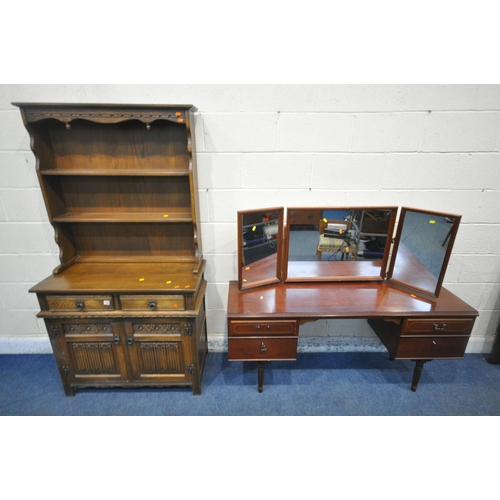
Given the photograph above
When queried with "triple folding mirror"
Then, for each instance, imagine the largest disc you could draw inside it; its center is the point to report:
(346, 244)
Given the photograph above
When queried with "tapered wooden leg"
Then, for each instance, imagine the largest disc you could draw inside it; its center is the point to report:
(417, 372)
(260, 372)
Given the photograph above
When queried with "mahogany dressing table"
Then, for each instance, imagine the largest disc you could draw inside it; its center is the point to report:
(421, 322)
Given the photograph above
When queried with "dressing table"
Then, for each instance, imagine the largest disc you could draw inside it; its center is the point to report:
(400, 294)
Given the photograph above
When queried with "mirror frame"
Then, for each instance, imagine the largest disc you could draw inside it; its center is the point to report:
(451, 240)
(277, 276)
(347, 277)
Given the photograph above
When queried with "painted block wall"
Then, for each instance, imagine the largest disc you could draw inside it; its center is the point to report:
(425, 146)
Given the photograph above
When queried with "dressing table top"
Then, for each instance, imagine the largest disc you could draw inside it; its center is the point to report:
(340, 300)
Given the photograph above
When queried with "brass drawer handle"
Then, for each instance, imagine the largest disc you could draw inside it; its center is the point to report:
(439, 328)
(263, 347)
(80, 304)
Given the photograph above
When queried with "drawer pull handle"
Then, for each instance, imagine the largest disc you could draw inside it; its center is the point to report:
(80, 304)
(439, 328)
(434, 342)
(152, 304)
(263, 347)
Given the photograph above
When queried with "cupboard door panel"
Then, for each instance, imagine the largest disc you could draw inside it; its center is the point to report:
(90, 352)
(93, 358)
(160, 358)
(158, 351)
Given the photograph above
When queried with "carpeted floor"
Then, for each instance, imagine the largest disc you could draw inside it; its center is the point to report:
(351, 384)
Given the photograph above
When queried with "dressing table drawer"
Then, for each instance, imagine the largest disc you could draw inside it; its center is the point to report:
(437, 326)
(262, 349)
(80, 303)
(436, 347)
(246, 328)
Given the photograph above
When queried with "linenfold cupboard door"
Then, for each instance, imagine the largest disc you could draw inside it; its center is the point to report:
(88, 352)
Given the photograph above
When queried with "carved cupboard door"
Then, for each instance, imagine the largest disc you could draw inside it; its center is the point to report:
(160, 350)
(88, 351)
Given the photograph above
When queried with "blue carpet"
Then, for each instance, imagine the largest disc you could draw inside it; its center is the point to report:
(350, 384)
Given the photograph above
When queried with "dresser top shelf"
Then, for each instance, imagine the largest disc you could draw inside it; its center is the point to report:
(114, 172)
(87, 110)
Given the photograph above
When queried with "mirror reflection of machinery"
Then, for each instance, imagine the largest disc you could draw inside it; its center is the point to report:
(364, 232)
(373, 229)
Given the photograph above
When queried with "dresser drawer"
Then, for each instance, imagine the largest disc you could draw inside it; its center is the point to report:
(152, 302)
(247, 328)
(444, 347)
(263, 348)
(80, 303)
(439, 326)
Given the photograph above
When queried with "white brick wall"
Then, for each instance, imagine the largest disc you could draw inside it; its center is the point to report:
(428, 146)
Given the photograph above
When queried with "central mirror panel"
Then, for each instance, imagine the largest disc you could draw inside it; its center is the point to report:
(338, 243)
(260, 242)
